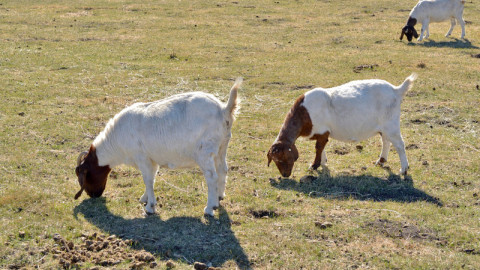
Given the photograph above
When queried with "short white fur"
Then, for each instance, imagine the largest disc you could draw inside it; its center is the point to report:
(359, 110)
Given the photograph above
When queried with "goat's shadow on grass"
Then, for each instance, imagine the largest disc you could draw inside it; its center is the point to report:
(359, 187)
(186, 239)
(453, 43)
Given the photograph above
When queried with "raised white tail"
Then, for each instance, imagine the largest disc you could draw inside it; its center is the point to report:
(232, 104)
(406, 85)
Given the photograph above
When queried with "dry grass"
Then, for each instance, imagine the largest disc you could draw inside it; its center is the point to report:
(67, 67)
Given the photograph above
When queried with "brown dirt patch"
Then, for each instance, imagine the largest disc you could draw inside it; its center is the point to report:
(411, 146)
(395, 229)
(263, 213)
(300, 87)
(418, 121)
(341, 151)
(360, 68)
(101, 250)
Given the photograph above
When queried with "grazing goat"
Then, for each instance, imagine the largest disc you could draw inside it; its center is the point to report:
(181, 131)
(427, 11)
(351, 112)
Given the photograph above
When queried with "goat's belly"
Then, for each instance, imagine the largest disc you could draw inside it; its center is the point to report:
(352, 135)
(177, 164)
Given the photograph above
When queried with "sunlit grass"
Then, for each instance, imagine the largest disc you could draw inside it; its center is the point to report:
(67, 67)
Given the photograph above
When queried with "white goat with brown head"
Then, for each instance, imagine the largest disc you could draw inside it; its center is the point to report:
(351, 112)
(428, 11)
(184, 130)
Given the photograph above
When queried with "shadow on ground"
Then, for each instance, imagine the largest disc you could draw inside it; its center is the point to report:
(186, 239)
(453, 43)
(359, 187)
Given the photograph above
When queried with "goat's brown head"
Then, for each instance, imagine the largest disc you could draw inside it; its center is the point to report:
(409, 29)
(91, 177)
(284, 157)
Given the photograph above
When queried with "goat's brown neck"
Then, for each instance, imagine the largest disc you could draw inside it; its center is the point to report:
(411, 21)
(297, 123)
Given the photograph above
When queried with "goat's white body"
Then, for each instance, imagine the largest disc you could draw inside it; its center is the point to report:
(427, 11)
(359, 110)
(170, 132)
(181, 131)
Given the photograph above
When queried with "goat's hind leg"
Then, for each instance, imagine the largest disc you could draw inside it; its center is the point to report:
(385, 150)
(397, 141)
(462, 25)
(207, 164)
(222, 170)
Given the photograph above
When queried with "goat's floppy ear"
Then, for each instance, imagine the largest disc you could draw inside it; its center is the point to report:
(269, 156)
(295, 152)
(79, 193)
(415, 34)
(404, 30)
(82, 178)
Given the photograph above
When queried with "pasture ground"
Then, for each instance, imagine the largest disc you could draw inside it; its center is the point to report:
(68, 66)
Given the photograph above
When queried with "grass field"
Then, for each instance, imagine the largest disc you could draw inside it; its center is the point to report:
(68, 66)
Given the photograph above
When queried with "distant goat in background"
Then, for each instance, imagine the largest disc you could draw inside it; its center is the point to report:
(428, 11)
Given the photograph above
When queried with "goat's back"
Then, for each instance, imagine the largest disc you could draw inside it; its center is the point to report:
(353, 111)
(437, 10)
(169, 131)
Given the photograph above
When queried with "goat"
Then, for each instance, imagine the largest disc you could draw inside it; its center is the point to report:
(427, 11)
(351, 112)
(181, 131)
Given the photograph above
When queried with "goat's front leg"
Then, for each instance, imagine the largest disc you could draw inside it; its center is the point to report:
(424, 27)
(148, 169)
(452, 24)
(207, 164)
(320, 156)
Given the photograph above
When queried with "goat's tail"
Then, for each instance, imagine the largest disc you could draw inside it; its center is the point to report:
(406, 85)
(232, 104)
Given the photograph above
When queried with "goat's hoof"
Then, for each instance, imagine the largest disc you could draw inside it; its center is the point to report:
(208, 215)
(314, 167)
(149, 212)
(208, 212)
(380, 162)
